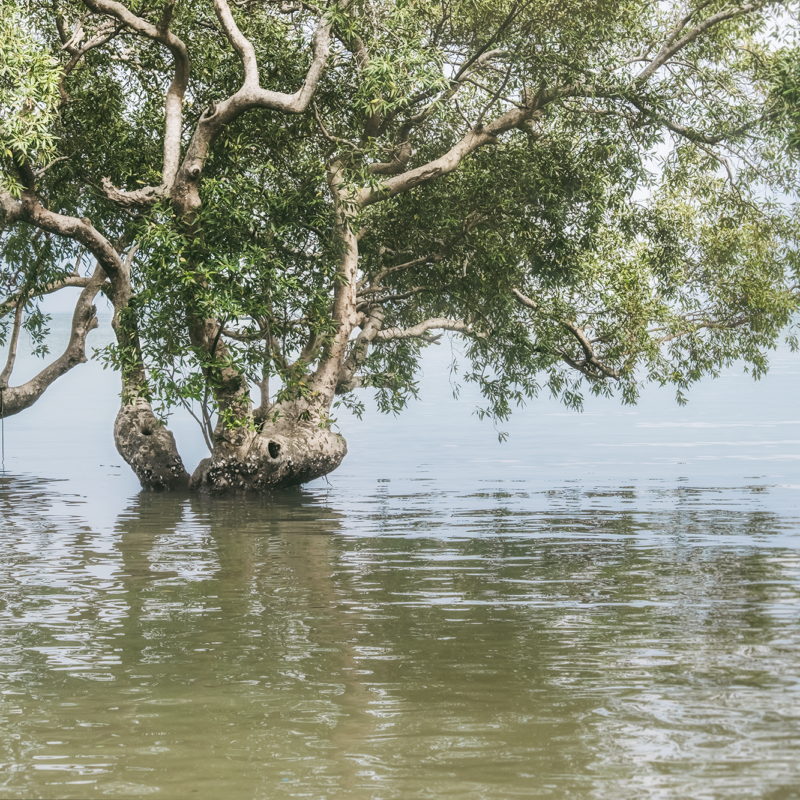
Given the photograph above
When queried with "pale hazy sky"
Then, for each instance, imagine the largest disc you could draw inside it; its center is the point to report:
(64, 301)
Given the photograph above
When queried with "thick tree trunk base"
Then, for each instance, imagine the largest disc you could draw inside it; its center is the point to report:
(149, 448)
(275, 458)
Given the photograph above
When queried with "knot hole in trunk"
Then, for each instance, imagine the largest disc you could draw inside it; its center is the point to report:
(147, 430)
(274, 448)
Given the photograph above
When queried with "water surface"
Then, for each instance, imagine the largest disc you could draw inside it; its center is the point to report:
(605, 607)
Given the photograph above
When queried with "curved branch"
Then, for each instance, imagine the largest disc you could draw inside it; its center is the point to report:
(359, 351)
(17, 398)
(146, 196)
(177, 88)
(12, 345)
(474, 139)
(590, 366)
(80, 230)
(251, 94)
(70, 44)
(674, 45)
(327, 134)
(363, 303)
(76, 281)
(374, 284)
(696, 136)
(421, 330)
(400, 158)
(522, 117)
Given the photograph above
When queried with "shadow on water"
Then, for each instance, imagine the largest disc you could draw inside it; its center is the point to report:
(510, 644)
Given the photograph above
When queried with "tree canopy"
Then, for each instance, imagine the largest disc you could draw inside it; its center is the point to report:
(300, 197)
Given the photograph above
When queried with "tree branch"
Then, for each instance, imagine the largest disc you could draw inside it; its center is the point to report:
(673, 44)
(80, 230)
(102, 36)
(696, 136)
(12, 345)
(71, 280)
(18, 398)
(474, 139)
(251, 94)
(177, 88)
(374, 284)
(360, 304)
(329, 136)
(402, 152)
(420, 331)
(359, 350)
(590, 366)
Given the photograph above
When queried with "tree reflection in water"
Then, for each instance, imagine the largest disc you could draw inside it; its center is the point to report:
(284, 648)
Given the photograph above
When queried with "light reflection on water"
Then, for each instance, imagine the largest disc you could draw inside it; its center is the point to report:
(390, 644)
(606, 607)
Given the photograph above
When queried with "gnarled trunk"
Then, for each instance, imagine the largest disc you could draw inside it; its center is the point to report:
(277, 446)
(148, 447)
(289, 443)
(280, 455)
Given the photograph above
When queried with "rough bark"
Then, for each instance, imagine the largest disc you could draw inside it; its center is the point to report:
(291, 443)
(326, 378)
(148, 447)
(285, 453)
(145, 444)
(359, 350)
(240, 455)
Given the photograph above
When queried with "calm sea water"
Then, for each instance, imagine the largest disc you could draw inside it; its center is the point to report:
(606, 606)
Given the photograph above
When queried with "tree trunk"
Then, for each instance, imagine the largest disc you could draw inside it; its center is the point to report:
(289, 443)
(149, 448)
(141, 438)
(284, 453)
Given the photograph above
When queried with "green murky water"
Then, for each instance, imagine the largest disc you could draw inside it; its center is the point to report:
(490, 645)
(607, 607)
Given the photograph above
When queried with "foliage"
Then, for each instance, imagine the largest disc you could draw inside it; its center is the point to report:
(645, 216)
(29, 77)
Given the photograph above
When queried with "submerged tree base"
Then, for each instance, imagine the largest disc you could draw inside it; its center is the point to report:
(274, 458)
(149, 448)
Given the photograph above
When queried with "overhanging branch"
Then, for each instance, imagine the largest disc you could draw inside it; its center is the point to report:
(590, 365)
(422, 329)
(674, 42)
(18, 398)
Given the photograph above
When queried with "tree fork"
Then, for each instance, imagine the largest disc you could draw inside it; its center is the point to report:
(293, 443)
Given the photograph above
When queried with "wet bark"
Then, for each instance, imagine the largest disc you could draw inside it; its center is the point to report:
(149, 448)
(282, 454)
